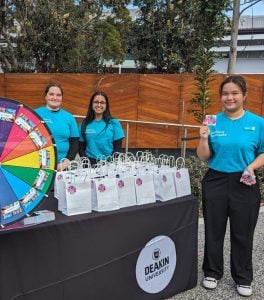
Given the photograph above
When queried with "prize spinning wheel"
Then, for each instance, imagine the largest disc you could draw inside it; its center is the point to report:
(27, 161)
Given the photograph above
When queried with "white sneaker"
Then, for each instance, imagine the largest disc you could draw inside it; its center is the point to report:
(244, 290)
(210, 283)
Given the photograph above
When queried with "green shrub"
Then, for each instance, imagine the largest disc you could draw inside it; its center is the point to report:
(261, 182)
(197, 169)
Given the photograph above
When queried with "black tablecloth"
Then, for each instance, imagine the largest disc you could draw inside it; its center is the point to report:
(93, 256)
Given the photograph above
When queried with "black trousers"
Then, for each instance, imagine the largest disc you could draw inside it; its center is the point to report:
(225, 197)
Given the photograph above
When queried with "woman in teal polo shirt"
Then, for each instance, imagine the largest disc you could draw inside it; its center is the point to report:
(234, 149)
(62, 125)
(100, 133)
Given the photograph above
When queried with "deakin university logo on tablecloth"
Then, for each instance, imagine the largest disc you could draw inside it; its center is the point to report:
(156, 264)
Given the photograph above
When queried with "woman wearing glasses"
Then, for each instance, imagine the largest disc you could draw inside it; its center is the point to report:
(62, 125)
(100, 134)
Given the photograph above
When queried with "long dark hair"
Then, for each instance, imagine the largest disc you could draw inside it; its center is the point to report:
(91, 115)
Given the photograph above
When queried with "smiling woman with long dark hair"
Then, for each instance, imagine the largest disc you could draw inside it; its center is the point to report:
(100, 133)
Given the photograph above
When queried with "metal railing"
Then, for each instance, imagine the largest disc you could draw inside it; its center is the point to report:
(184, 138)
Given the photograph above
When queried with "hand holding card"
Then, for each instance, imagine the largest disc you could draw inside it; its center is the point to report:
(248, 179)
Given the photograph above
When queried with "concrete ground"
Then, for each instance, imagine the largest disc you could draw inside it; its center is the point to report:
(226, 287)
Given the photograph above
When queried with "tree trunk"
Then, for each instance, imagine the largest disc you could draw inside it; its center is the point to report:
(233, 43)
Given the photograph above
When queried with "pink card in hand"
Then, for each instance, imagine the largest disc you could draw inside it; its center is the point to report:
(210, 120)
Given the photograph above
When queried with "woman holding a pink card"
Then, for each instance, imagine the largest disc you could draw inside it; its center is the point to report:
(233, 144)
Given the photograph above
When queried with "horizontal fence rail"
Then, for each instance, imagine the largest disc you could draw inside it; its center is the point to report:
(184, 138)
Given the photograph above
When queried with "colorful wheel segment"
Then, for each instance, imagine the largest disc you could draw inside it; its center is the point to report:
(27, 161)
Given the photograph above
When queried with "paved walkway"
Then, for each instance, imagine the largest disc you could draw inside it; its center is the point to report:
(226, 288)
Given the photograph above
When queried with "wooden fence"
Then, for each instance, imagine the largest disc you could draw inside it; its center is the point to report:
(153, 98)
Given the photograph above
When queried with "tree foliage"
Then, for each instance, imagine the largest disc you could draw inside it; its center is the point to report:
(62, 35)
(202, 99)
(79, 36)
(170, 33)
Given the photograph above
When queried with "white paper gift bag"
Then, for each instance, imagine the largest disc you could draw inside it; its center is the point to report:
(182, 178)
(74, 175)
(59, 187)
(105, 194)
(61, 179)
(164, 185)
(59, 182)
(144, 185)
(78, 198)
(126, 191)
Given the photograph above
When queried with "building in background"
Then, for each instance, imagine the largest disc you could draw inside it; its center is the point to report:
(250, 47)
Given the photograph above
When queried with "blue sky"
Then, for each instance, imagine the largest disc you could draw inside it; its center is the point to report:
(256, 10)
